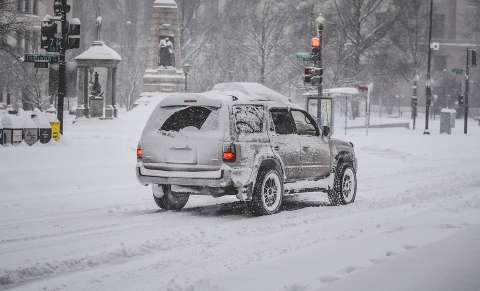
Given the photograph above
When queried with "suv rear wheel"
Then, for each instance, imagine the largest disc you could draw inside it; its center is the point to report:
(268, 192)
(171, 200)
(345, 185)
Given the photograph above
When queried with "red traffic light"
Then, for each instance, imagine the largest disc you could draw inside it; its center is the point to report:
(363, 89)
(315, 42)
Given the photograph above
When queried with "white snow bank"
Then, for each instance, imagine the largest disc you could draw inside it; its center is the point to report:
(12, 121)
(450, 264)
(40, 119)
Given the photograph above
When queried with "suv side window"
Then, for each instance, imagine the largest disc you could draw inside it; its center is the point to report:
(248, 118)
(283, 121)
(304, 123)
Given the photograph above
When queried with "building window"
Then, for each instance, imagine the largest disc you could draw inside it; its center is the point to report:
(439, 63)
(20, 5)
(35, 7)
(20, 43)
(28, 6)
(438, 26)
(35, 41)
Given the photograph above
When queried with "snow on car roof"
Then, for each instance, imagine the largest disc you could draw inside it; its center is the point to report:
(229, 93)
(252, 91)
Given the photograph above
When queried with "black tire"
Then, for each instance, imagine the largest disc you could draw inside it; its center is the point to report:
(171, 200)
(267, 203)
(345, 185)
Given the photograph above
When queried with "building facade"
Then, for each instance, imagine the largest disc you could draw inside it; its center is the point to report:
(456, 28)
(24, 86)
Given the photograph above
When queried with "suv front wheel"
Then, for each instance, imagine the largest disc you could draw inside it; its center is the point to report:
(268, 192)
(345, 185)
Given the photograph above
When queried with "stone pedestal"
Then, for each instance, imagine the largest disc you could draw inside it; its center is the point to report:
(161, 80)
(96, 107)
(164, 25)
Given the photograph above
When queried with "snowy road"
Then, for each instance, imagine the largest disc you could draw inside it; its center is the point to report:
(73, 217)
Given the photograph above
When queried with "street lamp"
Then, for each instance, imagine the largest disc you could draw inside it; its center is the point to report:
(429, 65)
(186, 70)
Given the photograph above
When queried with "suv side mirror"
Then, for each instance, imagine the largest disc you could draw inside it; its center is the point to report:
(326, 131)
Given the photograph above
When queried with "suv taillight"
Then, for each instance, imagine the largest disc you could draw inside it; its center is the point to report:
(139, 153)
(229, 153)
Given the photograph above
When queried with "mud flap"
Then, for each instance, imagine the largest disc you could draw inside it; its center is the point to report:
(245, 193)
(157, 191)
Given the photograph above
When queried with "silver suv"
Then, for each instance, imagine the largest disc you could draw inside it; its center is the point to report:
(241, 139)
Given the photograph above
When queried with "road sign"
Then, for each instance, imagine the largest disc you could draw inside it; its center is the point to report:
(41, 58)
(304, 56)
(458, 71)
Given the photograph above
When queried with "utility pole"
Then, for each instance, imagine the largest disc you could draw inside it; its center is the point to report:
(467, 89)
(61, 65)
(428, 100)
(415, 101)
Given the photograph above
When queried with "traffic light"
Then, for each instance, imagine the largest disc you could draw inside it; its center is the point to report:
(460, 100)
(317, 76)
(73, 39)
(363, 89)
(316, 44)
(49, 38)
(308, 74)
(414, 103)
(58, 7)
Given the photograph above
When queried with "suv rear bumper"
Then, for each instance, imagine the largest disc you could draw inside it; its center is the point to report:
(217, 179)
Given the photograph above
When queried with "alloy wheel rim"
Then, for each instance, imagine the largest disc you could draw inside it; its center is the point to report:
(348, 185)
(271, 192)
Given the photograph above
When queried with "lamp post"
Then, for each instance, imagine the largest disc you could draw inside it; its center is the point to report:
(186, 70)
(429, 65)
(320, 23)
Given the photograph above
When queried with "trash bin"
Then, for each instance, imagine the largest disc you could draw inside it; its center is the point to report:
(453, 117)
(1, 125)
(30, 129)
(1, 132)
(12, 130)
(55, 126)
(44, 128)
(446, 123)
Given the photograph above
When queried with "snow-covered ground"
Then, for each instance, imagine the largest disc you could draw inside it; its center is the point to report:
(73, 217)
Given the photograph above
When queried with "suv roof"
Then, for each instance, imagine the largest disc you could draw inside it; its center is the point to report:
(230, 94)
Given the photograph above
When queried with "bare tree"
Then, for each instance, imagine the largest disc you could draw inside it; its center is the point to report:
(363, 23)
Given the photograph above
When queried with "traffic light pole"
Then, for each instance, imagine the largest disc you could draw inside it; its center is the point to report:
(318, 64)
(467, 89)
(414, 103)
(61, 66)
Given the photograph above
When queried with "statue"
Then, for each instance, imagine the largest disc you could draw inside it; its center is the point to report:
(96, 88)
(167, 53)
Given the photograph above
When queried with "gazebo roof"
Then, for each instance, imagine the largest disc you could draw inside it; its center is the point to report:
(99, 51)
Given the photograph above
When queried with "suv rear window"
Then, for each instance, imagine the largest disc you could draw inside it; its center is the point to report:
(248, 118)
(194, 116)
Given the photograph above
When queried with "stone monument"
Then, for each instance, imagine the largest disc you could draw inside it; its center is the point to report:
(163, 61)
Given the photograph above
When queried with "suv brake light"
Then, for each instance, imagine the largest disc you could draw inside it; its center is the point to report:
(229, 153)
(139, 153)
